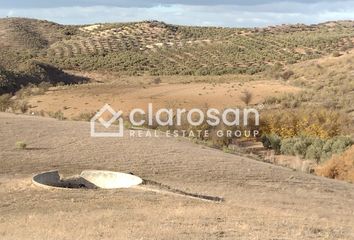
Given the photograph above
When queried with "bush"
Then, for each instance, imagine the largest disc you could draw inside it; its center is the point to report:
(315, 123)
(339, 167)
(336, 146)
(157, 80)
(315, 148)
(22, 106)
(314, 151)
(58, 115)
(287, 74)
(301, 146)
(272, 100)
(246, 97)
(85, 116)
(21, 145)
(337, 54)
(5, 102)
(287, 146)
(271, 141)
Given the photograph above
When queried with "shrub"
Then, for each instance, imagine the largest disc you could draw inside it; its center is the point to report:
(287, 146)
(301, 146)
(341, 143)
(314, 151)
(5, 102)
(44, 86)
(287, 74)
(272, 100)
(58, 115)
(157, 80)
(246, 97)
(336, 146)
(316, 123)
(339, 167)
(21, 145)
(271, 141)
(337, 54)
(315, 148)
(22, 106)
(85, 116)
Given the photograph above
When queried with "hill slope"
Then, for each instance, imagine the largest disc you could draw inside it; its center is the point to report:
(158, 48)
(262, 201)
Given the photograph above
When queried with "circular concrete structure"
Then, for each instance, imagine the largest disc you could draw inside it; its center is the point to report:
(89, 179)
(110, 180)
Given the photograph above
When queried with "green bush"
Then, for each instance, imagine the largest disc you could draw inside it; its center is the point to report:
(21, 145)
(336, 146)
(271, 141)
(314, 151)
(315, 148)
(287, 146)
(301, 146)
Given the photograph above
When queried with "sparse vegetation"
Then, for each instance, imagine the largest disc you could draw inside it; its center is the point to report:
(287, 74)
(246, 97)
(21, 105)
(157, 80)
(57, 115)
(84, 116)
(5, 102)
(337, 54)
(21, 145)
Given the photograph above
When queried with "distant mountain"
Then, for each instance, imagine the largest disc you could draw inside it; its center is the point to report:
(157, 48)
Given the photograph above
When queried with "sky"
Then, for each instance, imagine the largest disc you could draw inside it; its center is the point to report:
(224, 13)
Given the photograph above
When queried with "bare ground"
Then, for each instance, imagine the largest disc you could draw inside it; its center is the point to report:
(262, 201)
(88, 98)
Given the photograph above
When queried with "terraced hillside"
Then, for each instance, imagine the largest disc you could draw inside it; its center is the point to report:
(157, 48)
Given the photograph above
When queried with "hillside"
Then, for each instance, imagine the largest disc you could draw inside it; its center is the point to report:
(34, 72)
(157, 48)
(262, 201)
(30, 34)
(162, 49)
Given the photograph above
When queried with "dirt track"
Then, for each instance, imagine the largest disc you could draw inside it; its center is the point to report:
(261, 201)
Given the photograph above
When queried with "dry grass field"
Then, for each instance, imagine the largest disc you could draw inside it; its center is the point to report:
(262, 201)
(88, 98)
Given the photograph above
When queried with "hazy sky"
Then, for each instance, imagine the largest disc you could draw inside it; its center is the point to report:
(236, 13)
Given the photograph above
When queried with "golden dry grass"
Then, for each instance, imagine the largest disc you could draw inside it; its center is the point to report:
(339, 167)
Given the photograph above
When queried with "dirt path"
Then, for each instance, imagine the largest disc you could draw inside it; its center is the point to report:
(262, 201)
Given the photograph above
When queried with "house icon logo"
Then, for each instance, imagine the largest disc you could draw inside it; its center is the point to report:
(107, 128)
